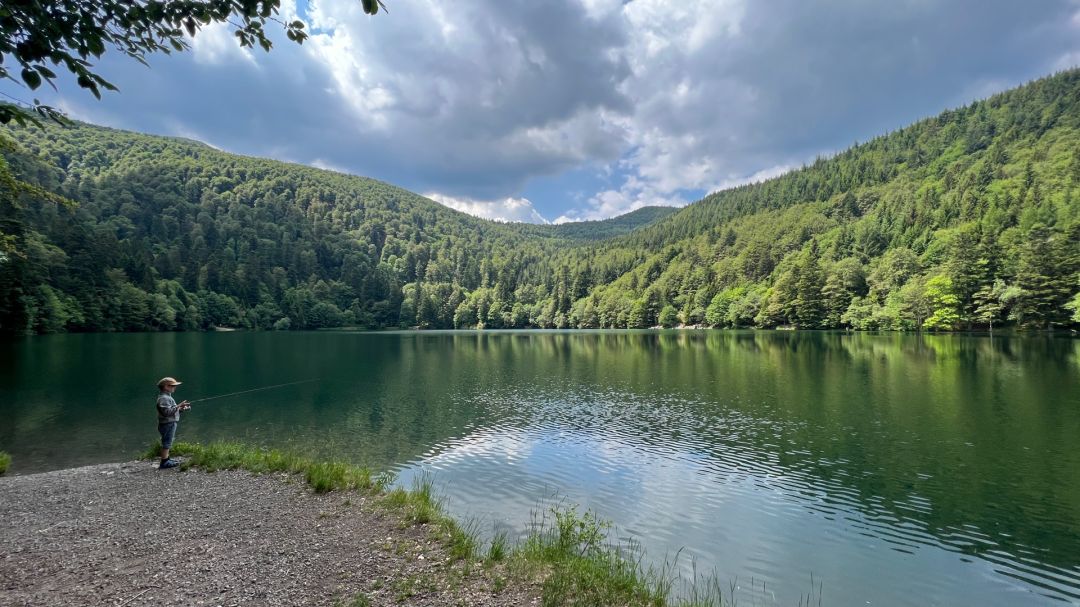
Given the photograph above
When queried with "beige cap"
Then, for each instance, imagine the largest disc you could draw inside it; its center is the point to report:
(167, 381)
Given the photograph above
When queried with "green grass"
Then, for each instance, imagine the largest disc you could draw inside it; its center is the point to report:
(567, 553)
(582, 567)
(5, 461)
(323, 476)
(464, 538)
(419, 506)
(360, 600)
(498, 548)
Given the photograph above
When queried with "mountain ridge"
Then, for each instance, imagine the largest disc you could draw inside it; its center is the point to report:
(967, 219)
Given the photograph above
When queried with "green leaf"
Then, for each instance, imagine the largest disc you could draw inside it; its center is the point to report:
(31, 78)
(96, 46)
(105, 83)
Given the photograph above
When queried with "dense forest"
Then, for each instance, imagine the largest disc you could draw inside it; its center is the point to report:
(967, 220)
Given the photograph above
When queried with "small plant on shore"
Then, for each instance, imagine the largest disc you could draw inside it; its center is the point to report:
(426, 507)
(498, 548)
(707, 591)
(420, 505)
(584, 569)
(5, 461)
(464, 538)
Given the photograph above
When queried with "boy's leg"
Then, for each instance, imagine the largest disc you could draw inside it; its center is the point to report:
(167, 431)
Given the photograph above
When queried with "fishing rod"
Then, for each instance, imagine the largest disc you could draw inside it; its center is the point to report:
(293, 383)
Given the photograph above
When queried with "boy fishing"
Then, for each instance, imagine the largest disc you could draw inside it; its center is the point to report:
(168, 418)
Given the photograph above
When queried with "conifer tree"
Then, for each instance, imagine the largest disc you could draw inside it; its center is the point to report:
(810, 302)
(1042, 278)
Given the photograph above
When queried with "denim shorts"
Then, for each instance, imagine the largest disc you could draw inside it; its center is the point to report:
(168, 432)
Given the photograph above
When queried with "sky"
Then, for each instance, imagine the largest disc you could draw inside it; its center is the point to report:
(570, 110)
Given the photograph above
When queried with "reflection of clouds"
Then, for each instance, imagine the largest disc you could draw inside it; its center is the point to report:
(671, 497)
(506, 444)
(726, 491)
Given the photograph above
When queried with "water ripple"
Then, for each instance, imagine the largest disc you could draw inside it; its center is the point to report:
(724, 487)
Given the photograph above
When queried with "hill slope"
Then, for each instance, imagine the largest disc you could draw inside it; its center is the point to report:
(609, 228)
(172, 234)
(966, 219)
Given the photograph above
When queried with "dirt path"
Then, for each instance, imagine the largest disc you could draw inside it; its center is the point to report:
(128, 534)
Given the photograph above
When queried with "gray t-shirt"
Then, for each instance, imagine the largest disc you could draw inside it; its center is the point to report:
(167, 409)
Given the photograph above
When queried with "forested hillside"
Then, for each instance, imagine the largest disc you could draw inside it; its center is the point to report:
(608, 228)
(966, 220)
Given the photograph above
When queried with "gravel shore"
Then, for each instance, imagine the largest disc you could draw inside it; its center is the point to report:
(129, 534)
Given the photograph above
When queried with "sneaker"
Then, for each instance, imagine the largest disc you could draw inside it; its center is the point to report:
(169, 463)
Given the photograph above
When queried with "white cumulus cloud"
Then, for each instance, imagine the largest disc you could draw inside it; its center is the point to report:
(507, 209)
(215, 44)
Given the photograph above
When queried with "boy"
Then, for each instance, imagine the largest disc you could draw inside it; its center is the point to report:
(168, 417)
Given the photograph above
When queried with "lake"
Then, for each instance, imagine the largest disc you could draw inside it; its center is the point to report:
(894, 469)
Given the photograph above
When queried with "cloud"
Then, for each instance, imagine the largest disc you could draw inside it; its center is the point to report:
(215, 44)
(632, 195)
(507, 209)
(1067, 61)
(479, 101)
(735, 181)
(727, 92)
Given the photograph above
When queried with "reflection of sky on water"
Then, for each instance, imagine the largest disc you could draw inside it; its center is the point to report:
(735, 513)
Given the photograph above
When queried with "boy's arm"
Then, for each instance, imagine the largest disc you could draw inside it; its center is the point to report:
(166, 406)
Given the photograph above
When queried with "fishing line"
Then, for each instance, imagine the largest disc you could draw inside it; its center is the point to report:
(293, 383)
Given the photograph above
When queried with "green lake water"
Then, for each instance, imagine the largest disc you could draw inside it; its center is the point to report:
(894, 469)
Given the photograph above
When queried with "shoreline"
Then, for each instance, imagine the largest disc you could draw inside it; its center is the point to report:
(240, 525)
(130, 534)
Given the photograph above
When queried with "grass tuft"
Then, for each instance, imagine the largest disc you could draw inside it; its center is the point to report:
(425, 507)
(5, 462)
(464, 538)
(420, 506)
(498, 548)
(584, 568)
